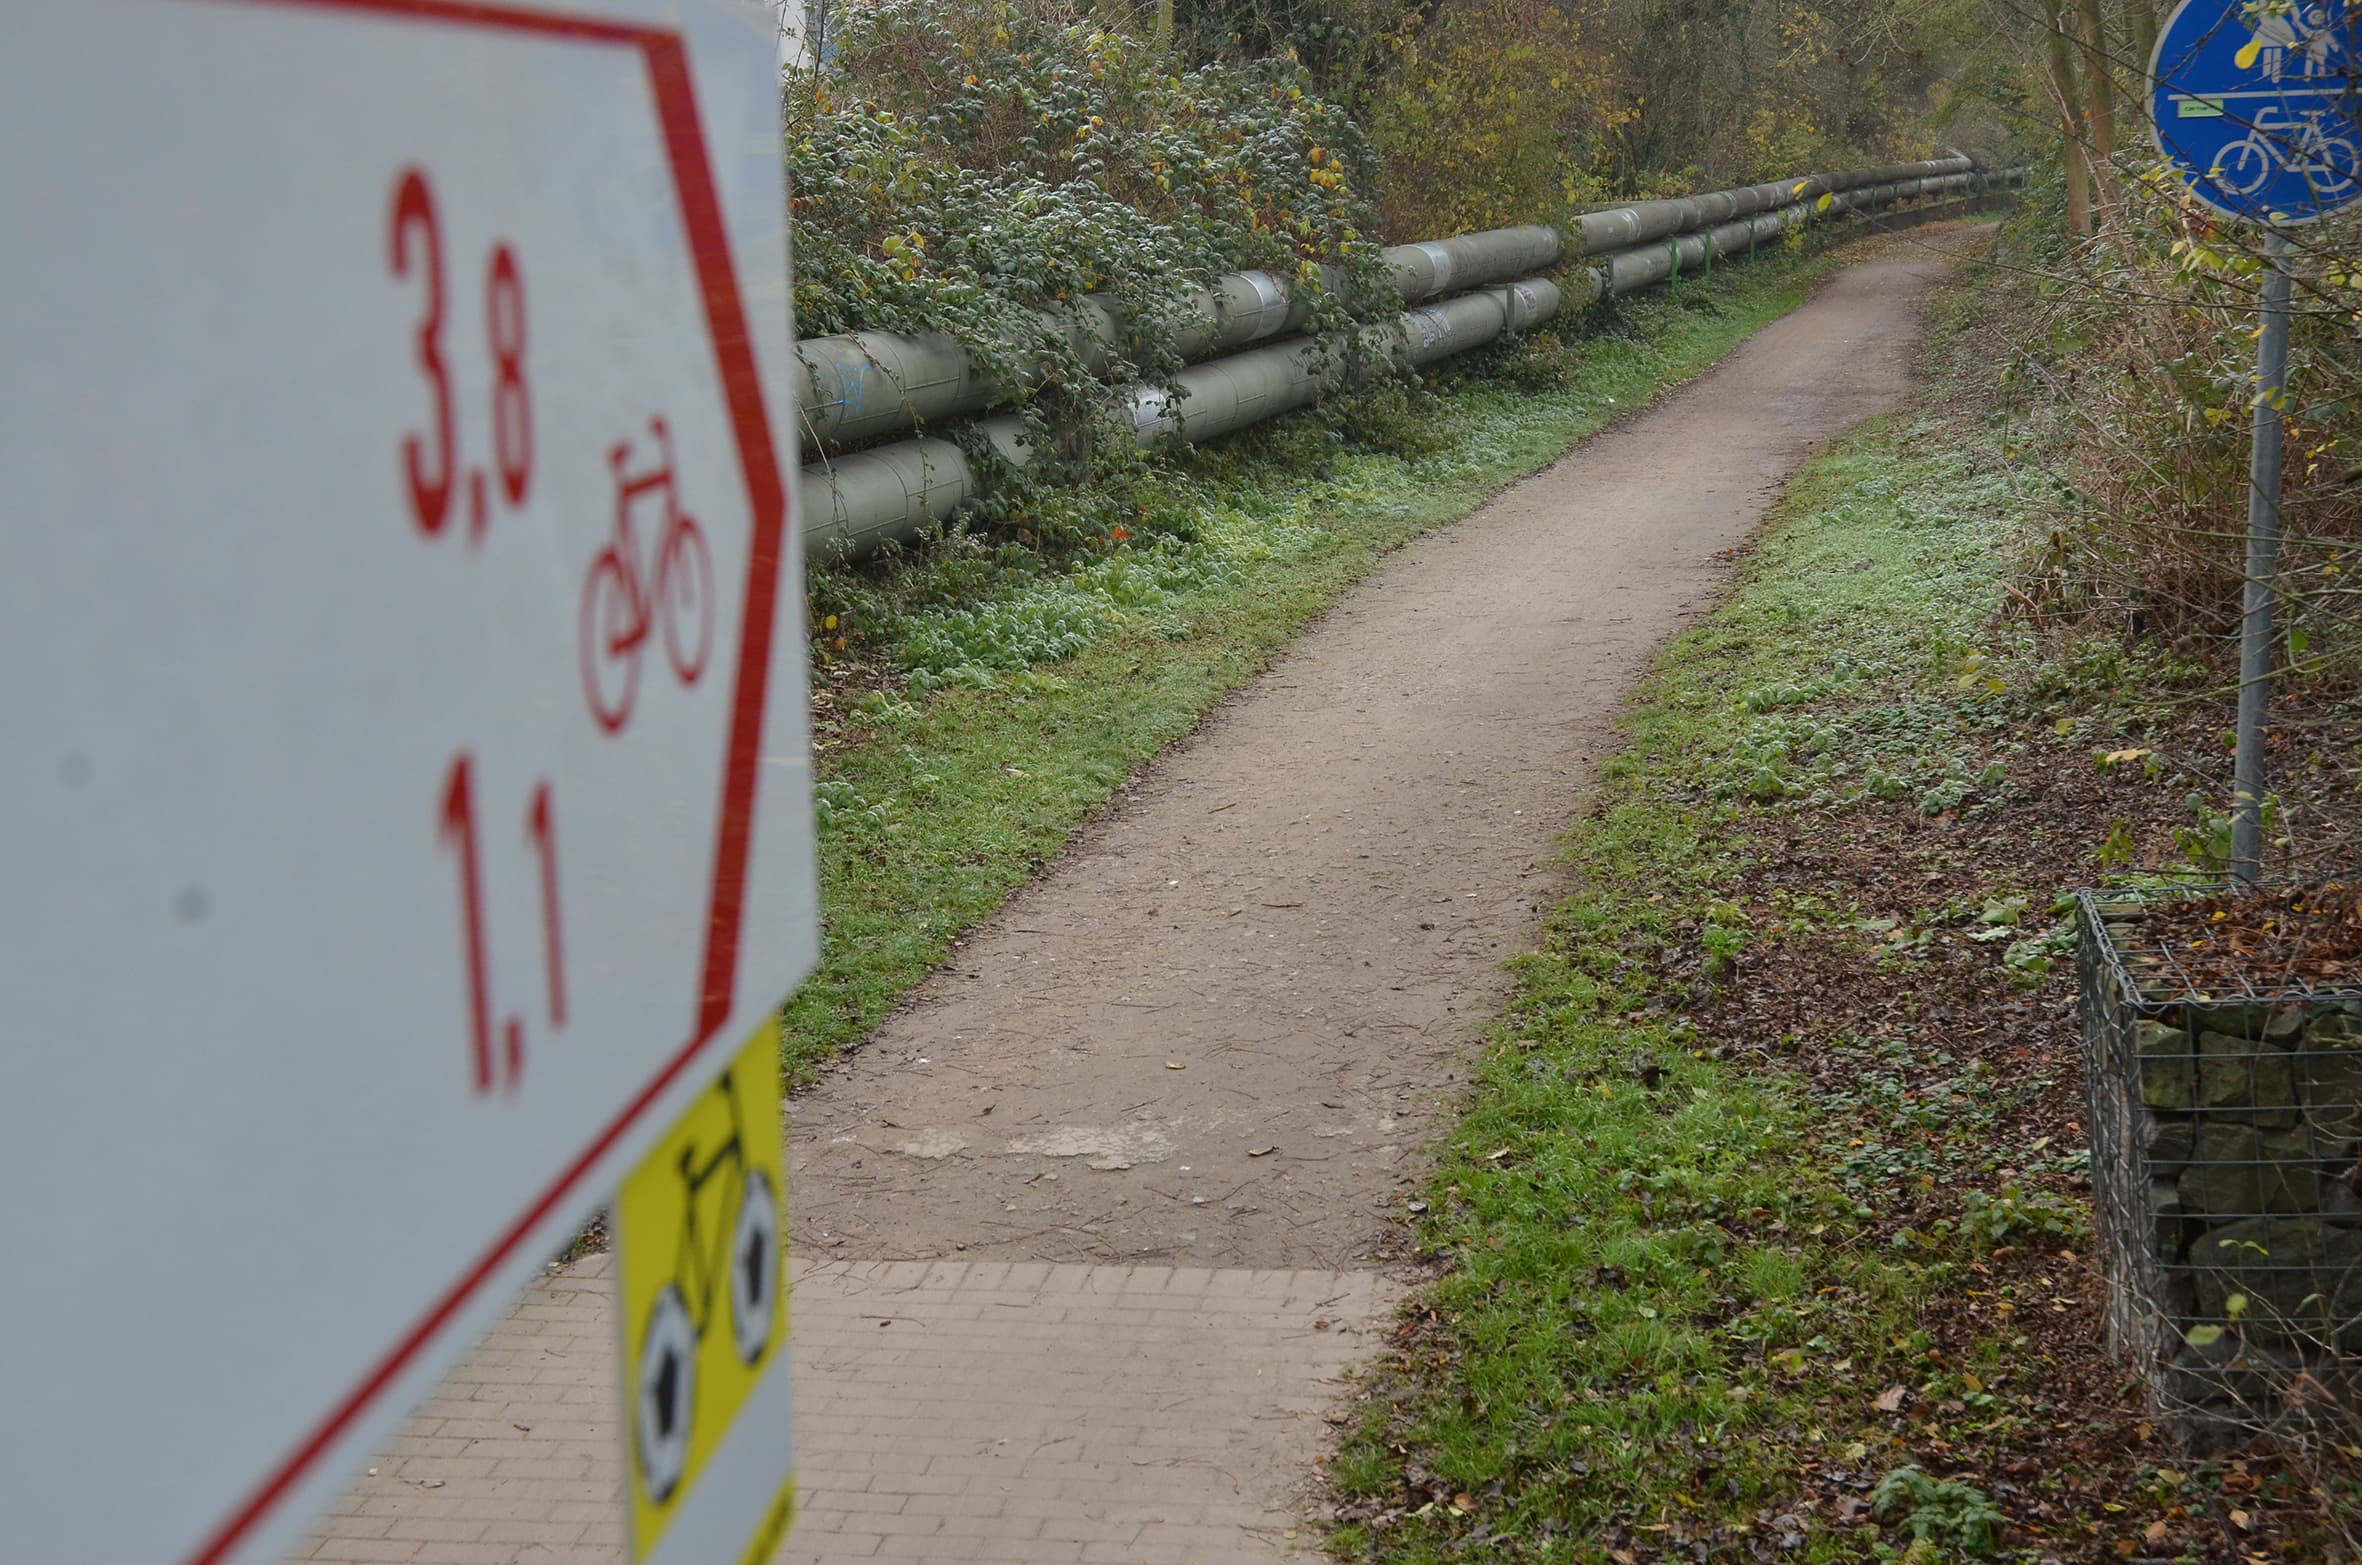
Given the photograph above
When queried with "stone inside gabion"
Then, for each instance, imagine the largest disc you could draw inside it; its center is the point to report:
(2225, 1141)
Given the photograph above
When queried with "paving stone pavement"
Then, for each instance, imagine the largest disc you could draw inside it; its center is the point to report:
(945, 1410)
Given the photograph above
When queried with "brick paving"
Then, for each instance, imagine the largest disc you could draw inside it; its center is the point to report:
(945, 1410)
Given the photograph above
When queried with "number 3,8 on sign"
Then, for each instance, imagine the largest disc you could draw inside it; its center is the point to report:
(625, 603)
(415, 240)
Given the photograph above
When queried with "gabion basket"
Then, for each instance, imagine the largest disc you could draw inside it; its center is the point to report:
(2224, 1130)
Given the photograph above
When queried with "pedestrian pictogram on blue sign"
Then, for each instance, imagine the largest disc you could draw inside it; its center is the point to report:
(2256, 101)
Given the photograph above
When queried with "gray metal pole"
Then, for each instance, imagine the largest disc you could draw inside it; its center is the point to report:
(2263, 554)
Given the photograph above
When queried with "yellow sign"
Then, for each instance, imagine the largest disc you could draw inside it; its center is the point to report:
(703, 1292)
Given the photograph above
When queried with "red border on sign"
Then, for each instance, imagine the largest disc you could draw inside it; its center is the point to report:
(667, 59)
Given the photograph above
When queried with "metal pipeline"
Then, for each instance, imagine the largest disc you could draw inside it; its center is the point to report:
(852, 504)
(860, 385)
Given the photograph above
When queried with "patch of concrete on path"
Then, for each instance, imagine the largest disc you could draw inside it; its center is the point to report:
(1109, 1148)
(1307, 904)
(933, 1144)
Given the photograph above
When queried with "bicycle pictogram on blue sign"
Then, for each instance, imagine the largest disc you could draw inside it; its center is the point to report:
(2256, 101)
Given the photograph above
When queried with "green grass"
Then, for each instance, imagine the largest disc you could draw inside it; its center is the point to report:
(1017, 701)
(1658, 1307)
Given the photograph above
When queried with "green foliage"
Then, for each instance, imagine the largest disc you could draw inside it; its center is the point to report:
(977, 167)
(1945, 1513)
(2016, 1213)
(1547, 359)
(1340, 41)
(1485, 116)
(1724, 936)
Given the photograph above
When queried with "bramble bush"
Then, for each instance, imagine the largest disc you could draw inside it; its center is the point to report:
(976, 166)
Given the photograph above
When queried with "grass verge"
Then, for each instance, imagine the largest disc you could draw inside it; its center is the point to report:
(1763, 1231)
(1658, 1304)
(999, 708)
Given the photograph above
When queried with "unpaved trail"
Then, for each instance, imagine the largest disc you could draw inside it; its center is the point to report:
(1289, 932)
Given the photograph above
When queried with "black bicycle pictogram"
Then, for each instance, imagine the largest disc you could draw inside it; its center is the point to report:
(736, 1260)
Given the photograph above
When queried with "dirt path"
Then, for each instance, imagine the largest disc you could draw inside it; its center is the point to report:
(1215, 1034)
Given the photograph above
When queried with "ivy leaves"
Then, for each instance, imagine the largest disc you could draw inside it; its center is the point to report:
(977, 168)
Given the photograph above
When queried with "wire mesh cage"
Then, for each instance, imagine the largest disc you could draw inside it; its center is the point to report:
(2225, 1115)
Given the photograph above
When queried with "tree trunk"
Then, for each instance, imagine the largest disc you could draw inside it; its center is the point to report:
(2140, 32)
(2099, 82)
(2063, 88)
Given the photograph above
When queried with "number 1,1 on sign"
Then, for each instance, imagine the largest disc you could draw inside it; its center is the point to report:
(459, 833)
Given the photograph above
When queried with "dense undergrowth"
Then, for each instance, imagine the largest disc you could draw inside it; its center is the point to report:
(976, 169)
(2130, 371)
(975, 700)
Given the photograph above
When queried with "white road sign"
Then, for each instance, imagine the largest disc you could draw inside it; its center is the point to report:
(403, 797)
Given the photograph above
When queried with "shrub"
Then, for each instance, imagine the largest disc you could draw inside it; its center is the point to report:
(972, 166)
(1487, 114)
(1946, 1514)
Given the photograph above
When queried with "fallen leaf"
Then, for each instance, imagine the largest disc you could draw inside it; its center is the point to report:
(2241, 1520)
(1891, 1399)
(1496, 1154)
(1463, 1503)
(2155, 1533)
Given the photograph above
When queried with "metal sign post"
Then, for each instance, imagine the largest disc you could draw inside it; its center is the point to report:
(2263, 552)
(2255, 102)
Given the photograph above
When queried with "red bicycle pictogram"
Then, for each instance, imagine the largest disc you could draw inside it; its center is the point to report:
(622, 606)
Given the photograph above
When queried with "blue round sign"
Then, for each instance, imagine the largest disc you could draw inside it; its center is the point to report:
(2256, 101)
